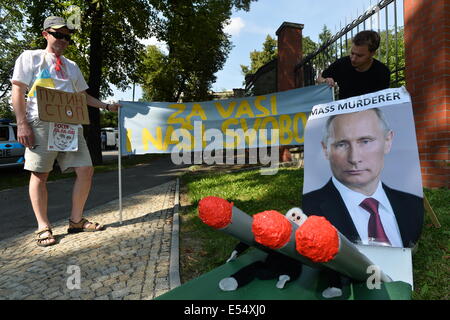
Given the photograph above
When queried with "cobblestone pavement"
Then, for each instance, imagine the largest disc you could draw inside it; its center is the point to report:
(127, 261)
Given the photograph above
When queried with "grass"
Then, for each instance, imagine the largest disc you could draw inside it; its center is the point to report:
(431, 262)
(18, 177)
(203, 248)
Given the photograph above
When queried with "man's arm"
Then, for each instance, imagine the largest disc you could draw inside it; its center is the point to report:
(329, 74)
(25, 134)
(94, 102)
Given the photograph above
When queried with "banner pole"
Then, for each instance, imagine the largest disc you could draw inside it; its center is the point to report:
(119, 162)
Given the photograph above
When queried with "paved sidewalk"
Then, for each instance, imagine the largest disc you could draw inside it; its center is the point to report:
(126, 261)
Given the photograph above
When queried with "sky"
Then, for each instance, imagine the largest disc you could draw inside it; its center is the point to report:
(248, 31)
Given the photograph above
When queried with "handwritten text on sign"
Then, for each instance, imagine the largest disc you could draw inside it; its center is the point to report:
(63, 107)
(162, 127)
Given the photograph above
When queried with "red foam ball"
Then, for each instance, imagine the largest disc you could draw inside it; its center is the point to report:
(215, 212)
(271, 229)
(317, 239)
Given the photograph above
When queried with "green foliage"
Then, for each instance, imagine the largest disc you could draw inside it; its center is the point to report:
(107, 45)
(259, 58)
(108, 119)
(392, 53)
(6, 110)
(11, 45)
(153, 75)
(430, 263)
(110, 33)
(249, 191)
(328, 55)
(197, 49)
(270, 51)
(308, 46)
(120, 31)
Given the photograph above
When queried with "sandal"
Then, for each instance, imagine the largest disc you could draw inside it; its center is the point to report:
(81, 226)
(40, 240)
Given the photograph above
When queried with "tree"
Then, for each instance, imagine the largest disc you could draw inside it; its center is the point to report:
(308, 46)
(153, 76)
(270, 52)
(11, 24)
(392, 53)
(328, 55)
(259, 58)
(108, 119)
(197, 49)
(106, 46)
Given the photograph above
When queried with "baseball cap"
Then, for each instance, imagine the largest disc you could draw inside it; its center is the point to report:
(55, 23)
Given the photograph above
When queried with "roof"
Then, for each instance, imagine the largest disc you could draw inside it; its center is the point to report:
(5, 121)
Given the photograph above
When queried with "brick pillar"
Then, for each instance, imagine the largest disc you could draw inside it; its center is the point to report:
(289, 56)
(427, 46)
(290, 53)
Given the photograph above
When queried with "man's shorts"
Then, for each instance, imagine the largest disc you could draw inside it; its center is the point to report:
(40, 159)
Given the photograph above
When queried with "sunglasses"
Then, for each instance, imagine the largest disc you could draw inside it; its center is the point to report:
(59, 35)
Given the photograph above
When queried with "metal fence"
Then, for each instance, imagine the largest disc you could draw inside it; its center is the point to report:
(386, 18)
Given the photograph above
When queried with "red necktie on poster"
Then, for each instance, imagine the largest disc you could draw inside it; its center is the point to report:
(375, 227)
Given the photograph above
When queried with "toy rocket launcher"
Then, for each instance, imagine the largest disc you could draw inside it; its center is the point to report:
(316, 242)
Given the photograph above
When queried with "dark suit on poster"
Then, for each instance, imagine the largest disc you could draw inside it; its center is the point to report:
(327, 202)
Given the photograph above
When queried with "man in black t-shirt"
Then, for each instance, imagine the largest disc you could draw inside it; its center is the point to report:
(359, 73)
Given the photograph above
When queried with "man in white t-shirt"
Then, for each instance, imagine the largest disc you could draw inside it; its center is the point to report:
(49, 68)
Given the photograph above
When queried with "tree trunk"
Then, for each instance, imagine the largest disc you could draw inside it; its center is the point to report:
(92, 133)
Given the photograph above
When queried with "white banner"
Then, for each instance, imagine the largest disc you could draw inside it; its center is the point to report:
(360, 103)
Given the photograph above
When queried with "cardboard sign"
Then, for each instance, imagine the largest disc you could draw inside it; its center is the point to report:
(60, 106)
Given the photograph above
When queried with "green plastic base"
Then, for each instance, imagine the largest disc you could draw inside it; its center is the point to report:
(308, 287)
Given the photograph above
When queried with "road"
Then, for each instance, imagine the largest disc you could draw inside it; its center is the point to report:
(16, 214)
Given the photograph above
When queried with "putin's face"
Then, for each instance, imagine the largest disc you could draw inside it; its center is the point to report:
(356, 147)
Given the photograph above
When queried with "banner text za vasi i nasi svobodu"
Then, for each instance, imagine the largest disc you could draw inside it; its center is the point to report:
(267, 120)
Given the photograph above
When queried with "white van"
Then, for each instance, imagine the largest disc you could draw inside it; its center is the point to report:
(109, 138)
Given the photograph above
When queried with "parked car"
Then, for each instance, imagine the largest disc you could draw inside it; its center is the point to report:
(109, 138)
(11, 151)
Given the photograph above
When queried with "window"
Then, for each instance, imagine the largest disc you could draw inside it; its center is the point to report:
(4, 133)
